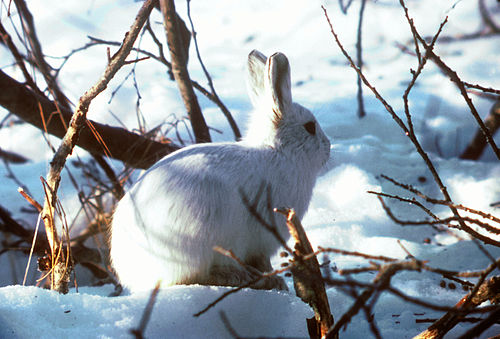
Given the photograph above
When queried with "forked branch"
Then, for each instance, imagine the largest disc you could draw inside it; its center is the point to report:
(79, 121)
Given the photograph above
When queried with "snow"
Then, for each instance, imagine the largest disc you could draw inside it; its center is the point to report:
(91, 313)
(342, 214)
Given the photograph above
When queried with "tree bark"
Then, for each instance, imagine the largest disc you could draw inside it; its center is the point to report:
(307, 280)
(478, 144)
(179, 57)
(489, 290)
(133, 149)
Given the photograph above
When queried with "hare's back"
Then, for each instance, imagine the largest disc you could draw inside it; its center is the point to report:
(224, 162)
(196, 185)
(212, 172)
(214, 177)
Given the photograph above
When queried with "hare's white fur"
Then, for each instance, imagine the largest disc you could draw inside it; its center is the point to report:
(166, 226)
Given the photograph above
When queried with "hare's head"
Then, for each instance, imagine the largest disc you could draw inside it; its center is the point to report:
(278, 122)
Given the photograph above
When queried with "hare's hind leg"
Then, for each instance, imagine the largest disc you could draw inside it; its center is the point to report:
(223, 275)
(228, 275)
(263, 264)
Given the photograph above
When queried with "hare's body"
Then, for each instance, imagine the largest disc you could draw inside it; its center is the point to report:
(166, 226)
(173, 241)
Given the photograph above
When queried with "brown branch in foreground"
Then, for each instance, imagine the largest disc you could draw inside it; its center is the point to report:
(78, 121)
(131, 148)
(489, 290)
(179, 57)
(307, 279)
(482, 326)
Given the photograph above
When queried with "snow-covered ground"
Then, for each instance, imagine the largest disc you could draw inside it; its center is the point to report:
(342, 214)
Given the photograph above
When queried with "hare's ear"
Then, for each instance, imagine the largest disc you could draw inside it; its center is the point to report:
(255, 79)
(278, 83)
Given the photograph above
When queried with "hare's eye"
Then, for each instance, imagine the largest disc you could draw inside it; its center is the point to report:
(310, 127)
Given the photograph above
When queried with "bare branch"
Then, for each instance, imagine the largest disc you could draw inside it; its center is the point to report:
(179, 57)
(459, 83)
(225, 111)
(37, 54)
(381, 282)
(239, 288)
(398, 120)
(133, 149)
(78, 121)
(486, 291)
(354, 253)
(161, 58)
(6, 39)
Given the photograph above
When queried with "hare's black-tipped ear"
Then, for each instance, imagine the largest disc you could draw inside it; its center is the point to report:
(255, 78)
(279, 83)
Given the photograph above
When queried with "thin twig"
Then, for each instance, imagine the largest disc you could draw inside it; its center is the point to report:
(28, 24)
(252, 208)
(355, 253)
(146, 314)
(482, 88)
(225, 111)
(359, 55)
(458, 82)
(179, 57)
(381, 282)
(441, 202)
(6, 39)
(421, 63)
(398, 120)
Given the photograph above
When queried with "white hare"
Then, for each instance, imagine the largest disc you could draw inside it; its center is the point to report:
(166, 226)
